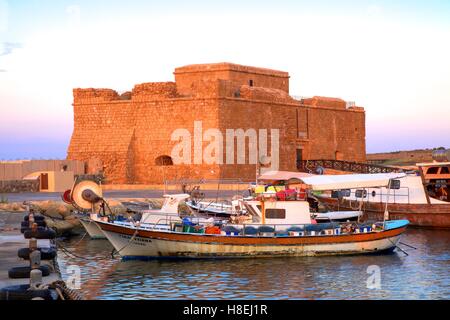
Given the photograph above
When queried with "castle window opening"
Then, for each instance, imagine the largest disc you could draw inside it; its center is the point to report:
(250, 83)
(164, 161)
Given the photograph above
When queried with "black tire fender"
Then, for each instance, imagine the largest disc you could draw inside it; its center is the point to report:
(46, 253)
(21, 292)
(40, 234)
(24, 272)
(36, 218)
(24, 229)
(26, 224)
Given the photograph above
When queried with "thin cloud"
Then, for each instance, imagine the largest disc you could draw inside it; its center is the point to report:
(9, 47)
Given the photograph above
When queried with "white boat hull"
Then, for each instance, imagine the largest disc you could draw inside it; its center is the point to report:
(92, 229)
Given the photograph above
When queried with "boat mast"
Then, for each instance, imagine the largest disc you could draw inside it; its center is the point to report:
(256, 166)
(386, 212)
(263, 210)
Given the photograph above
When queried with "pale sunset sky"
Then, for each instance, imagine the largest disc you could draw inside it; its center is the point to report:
(391, 57)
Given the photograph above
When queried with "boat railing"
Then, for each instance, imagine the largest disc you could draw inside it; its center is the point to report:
(277, 230)
(298, 195)
(258, 229)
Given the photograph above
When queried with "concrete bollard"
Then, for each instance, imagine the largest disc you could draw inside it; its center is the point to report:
(33, 244)
(35, 279)
(35, 259)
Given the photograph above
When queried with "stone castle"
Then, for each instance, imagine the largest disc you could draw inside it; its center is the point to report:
(129, 136)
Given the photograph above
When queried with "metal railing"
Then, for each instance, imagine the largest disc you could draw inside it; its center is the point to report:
(312, 166)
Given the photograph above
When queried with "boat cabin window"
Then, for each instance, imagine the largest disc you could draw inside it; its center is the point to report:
(361, 193)
(250, 209)
(395, 184)
(275, 213)
(335, 194)
(445, 170)
(432, 170)
(341, 193)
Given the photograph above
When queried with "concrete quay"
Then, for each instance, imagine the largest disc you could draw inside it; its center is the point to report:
(11, 240)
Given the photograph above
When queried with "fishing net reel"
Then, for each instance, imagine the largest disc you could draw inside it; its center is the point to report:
(85, 196)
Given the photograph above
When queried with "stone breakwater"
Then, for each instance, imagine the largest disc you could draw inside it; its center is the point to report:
(61, 216)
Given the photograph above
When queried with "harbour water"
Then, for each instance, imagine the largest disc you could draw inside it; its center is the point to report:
(422, 274)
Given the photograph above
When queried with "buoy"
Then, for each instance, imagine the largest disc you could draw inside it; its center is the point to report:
(46, 253)
(24, 272)
(23, 292)
(40, 234)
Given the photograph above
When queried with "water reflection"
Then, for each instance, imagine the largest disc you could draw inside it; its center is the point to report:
(421, 275)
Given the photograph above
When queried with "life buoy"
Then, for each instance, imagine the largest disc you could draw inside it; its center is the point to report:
(24, 272)
(22, 292)
(40, 234)
(46, 253)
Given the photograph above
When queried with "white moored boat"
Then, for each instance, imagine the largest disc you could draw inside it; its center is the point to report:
(91, 228)
(422, 197)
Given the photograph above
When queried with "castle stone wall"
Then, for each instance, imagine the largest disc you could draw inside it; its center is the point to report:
(129, 134)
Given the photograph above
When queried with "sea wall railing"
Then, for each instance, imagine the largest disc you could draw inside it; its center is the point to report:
(312, 166)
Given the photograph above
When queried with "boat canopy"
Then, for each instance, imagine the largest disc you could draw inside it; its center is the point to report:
(433, 164)
(350, 181)
(283, 175)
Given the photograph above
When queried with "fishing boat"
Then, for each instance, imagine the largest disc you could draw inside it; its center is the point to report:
(86, 197)
(272, 227)
(422, 197)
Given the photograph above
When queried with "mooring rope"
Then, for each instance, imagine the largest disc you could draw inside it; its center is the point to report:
(398, 247)
(73, 255)
(64, 292)
(129, 241)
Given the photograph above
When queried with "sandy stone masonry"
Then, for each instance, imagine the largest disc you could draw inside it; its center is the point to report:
(128, 135)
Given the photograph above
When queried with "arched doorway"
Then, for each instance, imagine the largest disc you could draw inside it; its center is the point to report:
(164, 161)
